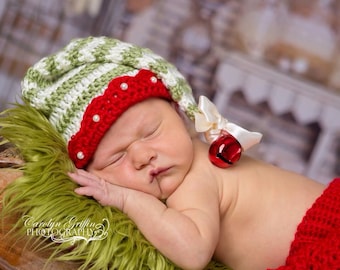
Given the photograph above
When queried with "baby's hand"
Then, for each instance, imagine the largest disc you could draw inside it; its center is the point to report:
(104, 192)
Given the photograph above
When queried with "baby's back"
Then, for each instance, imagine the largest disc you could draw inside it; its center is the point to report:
(268, 203)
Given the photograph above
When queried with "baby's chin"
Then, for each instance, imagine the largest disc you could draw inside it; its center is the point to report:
(162, 197)
(166, 194)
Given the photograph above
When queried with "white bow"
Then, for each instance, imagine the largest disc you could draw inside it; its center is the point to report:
(212, 123)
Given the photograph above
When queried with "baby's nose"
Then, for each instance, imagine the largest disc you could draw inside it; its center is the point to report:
(141, 154)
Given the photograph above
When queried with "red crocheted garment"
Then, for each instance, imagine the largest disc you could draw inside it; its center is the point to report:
(317, 241)
(121, 93)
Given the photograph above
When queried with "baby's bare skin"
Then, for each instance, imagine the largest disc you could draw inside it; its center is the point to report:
(260, 208)
(244, 216)
(267, 206)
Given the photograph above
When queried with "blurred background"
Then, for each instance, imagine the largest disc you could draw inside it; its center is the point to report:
(269, 65)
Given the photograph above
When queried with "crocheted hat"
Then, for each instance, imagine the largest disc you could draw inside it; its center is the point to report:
(86, 86)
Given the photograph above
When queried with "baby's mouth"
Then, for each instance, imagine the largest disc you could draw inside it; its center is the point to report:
(158, 172)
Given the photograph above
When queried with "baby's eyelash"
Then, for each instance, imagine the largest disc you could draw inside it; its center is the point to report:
(151, 131)
(117, 157)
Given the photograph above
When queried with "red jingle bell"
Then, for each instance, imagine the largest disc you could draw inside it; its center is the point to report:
(225, 150)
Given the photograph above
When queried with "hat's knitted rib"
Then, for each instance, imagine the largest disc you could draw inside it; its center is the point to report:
(93, 51)
(90, 83)
(124, 53)
(71, 85)
(99, 50)
(69, 117)
(55, 95)
(64, 84)
(49, 70)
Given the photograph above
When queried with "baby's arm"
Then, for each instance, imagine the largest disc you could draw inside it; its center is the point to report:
(188, 236)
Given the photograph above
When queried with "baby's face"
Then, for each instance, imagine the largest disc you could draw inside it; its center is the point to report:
(147, 149)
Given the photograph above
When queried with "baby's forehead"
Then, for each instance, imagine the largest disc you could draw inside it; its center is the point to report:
(139, 119)
(148, 112)
(148, 109)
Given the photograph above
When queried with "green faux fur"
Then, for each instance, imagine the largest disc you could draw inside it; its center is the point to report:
(45, 194)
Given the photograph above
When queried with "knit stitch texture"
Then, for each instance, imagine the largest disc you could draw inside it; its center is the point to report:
(317, 241)
(64, 84)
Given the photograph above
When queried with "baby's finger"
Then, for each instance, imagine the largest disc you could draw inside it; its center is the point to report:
(86, 191)
(82, 180)
(97, 194)
(83, 172)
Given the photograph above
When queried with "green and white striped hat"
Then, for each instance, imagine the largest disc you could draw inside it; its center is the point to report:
(86, 86)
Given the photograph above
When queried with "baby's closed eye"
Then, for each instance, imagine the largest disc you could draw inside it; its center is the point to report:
(116, 158)
(151, 131)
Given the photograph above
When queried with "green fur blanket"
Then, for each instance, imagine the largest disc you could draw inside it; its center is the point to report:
(75, 228)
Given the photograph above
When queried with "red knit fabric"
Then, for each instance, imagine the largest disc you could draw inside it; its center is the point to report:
(108, 107)
(317, 241)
